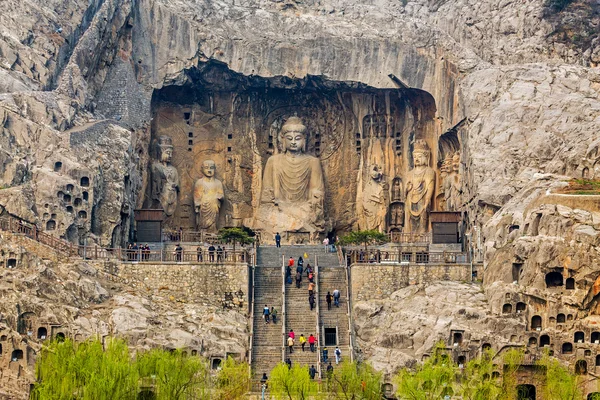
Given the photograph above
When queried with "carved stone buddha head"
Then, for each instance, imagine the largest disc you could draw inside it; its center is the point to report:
(293, 135)
(209, 168)
(421, 153)
(165, 146)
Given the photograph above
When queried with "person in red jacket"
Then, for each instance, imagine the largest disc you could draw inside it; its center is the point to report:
(311, 341)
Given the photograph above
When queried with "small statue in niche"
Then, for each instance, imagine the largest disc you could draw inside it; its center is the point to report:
(397, 189)
(420, 184)
(373, 207)
(165, 178)
(208, 196)
(293, 188)
(397, 216)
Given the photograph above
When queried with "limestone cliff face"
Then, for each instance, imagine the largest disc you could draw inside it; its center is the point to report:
(516, 84)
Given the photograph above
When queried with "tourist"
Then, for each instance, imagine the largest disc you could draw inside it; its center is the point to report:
(266, 313)
(298, 279)
(311, 301)
(311, 288)
(129, 252)
(219, 254)
(326, 244)
(302, 340)
(291, 262)
(211, 252)
(288, 274)
(325, 354)
(329, 370)
(199, 252)
(288, 362)
(135, 251)
(311, 277)
(278, 239)
(311, 342)
(300, 262)
(328, 299)
(264, 380)
(336, 297)
(274, 315)
(312, 371)
(309, 269)
(300, 268)
(292, 334)
(178, 252)
(338, 355)
(290, 343)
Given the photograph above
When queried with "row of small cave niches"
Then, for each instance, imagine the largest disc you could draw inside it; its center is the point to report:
(73, 200)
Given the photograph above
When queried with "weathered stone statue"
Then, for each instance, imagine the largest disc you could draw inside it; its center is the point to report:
(165, 178)
(420, 184)
(397, 216)
(292, 188)
(208, 196)
(397, 189)
(373, 208)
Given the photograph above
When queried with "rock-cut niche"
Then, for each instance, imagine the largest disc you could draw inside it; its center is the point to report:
(362, 138)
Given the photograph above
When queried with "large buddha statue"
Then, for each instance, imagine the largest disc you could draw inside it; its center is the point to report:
(420, 184)
(292, 188)
(165, 178)
(208, 196)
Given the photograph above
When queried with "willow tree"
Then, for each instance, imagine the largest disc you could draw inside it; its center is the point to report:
(292, 383)
(232, 381)
(364, 238)
(351, 380)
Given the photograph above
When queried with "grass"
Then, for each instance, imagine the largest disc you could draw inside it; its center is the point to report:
(582, 187)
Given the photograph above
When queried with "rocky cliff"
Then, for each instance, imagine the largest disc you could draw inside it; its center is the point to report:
(516, 81)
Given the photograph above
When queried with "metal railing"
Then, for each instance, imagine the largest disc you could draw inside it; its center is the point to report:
(283, 309)
(413, 238)
(318, 312)
(189, 236)
(344, 263)
(392, 257)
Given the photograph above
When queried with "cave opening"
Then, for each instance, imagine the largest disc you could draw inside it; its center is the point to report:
(554, 279)
(208, 118)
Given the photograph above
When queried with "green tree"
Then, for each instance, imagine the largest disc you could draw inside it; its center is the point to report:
(478, 381)
(292, 384)
(233, 380)
(235, 235)
(560, 384)
(434, 379)
(365, 238)
(355, 381)
(85, 371)
(174, 376)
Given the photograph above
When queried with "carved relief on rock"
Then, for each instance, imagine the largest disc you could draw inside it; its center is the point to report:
(420, 185)
(372, 202)
(165, 178)
(293, 189)
(208, 197)
(396, 209)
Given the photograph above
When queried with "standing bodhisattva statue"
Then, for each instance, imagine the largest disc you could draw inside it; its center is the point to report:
(420, 184)
(165, 178)
(292, 188)
(208, 196)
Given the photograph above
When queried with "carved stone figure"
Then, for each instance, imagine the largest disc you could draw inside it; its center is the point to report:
(165, 178)
(208, 196)
(292, 188)
(451, 182)
(397, 189)
(396, 216)
(373, 205)
(420, 184)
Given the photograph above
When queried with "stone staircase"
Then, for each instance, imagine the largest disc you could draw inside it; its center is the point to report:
(267, 339)
(298, 315)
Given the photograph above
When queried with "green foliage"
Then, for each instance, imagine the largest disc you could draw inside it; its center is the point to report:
(233, 380)
(235, 235)
(364, 238)
(292, 384)
(86, 370)
(355, 381)
(561, 384)
(175, 377)
(478, 382)
(434, 379)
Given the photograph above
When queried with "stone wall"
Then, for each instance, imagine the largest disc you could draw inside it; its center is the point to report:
(379, 281)
(221, 285)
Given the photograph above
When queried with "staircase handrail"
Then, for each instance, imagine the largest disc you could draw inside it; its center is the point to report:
(283, 310)
(344, 263)
(317, 331)
(253, 296)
